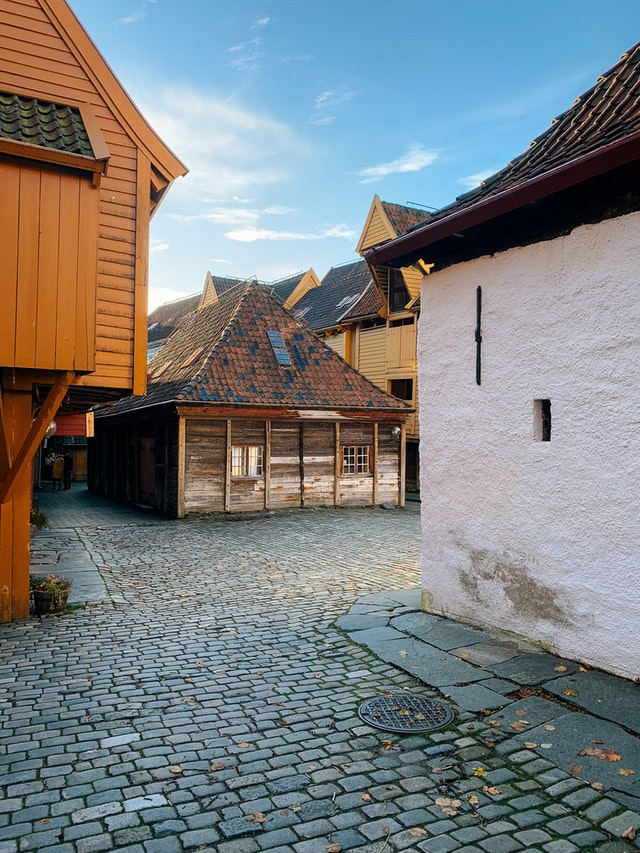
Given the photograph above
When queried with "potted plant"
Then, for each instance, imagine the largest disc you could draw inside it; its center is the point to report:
(50, 593)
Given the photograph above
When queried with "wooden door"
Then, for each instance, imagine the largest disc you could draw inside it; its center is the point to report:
(147, 471)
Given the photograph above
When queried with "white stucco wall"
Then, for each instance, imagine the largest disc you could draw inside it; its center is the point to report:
(538, 538)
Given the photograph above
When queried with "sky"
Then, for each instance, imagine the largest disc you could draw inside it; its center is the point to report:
(291, 114)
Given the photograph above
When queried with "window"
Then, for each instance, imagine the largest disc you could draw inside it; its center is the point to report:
(401, 388)
(542, 420)
(355, 460)
(247, 461)
(398, 295)
(279, 348)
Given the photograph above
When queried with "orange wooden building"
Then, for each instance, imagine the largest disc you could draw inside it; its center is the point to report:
(81, 173)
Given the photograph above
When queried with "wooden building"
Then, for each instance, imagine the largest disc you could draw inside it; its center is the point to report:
(248, 410)
(81, 172)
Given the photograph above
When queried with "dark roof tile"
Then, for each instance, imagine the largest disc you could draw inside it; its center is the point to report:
(42, 123)
(340, 290)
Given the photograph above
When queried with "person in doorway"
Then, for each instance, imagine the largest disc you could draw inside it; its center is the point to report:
(68, 470)
(57, 472)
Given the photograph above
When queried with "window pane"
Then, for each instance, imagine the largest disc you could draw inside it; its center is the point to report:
(254, 466)
(237, 461)
(348, 460)
(363, 460)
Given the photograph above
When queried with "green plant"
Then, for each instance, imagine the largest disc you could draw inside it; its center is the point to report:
(38, 519)
(54, 585)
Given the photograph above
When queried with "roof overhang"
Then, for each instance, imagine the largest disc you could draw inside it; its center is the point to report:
(411, 247)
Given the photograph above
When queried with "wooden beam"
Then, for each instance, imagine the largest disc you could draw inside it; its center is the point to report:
(336, 469)
(5, 450)
(182, 444)
(374, 464)
(267, 464)
(35, 435)
(227, 470)
(301, 459)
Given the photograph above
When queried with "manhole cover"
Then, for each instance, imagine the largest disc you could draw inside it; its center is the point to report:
(405, 713)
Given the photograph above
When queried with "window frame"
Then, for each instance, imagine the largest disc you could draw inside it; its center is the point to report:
(360, 461)
(246, 465)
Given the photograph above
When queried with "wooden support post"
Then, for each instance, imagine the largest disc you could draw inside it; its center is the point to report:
(5, 452)
(403, 464)
(227, 470)
(374, 464)
(267, 464)
(301, 457)
(337, 469)
(182, 444)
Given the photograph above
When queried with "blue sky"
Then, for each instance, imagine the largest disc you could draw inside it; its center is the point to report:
(292, 114)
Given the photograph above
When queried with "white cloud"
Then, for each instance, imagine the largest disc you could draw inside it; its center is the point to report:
(326, 104)
(219, 261)
(416, 159)
(472, 181)
(228, 149)
(251, 235)
(139, 14)
(261, 22)
(232, 215)
(249, 54)
(158, 246)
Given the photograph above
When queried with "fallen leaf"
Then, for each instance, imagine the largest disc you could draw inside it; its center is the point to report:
(388, 744)
(520, 725)
(44, 820)
(479, 771)
(629, 834)
(491, 789)
(366, 798)
(244, 745)
(420, 717)
(596, 740)
(447, 802)
(489, 743)
(418, 832)
(559, 669)
(256, 817)
(175, 768)
(603, 754)
(284, 812)
(582, 669)
(575, 769)
(521, 713)
(550, 728)
(546, 745)
(624, 771)
(464, 655)
(402, 653)
(597, 786)
(529, 745)
(437, 770)
(334, 848)
(495, 723)
(569, 693)
(473, 800)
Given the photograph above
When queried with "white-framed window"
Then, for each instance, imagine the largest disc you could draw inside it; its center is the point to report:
(247, 460)
(355, 459)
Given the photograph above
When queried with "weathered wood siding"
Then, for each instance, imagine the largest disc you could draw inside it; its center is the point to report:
(205, 455)
(318, 443)
(247, 493)
(48, 243)
(388, 466)
(36, 60)
(357, 489)
(372, 355)
(284, 485)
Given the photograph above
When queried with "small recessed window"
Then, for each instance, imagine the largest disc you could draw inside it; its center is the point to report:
(247, 461)
(279, 348)
(542, 420)
(355, 460)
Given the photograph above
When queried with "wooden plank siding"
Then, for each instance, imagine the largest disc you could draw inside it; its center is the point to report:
(193, 472)
(47, 68)
(337, 343)
(371, 361)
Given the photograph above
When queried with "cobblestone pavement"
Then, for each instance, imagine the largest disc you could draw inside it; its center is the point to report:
(208, 701)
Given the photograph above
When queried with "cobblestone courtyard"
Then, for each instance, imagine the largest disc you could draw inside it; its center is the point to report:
(210, 703)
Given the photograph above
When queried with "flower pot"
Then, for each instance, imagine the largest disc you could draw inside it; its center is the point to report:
(45, 602)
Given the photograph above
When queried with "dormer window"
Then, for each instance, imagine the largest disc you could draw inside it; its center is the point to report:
(398, 295)
(279, 348)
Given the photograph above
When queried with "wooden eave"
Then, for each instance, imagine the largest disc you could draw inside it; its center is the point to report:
(409, 248)
(100, 73)
(308, 282)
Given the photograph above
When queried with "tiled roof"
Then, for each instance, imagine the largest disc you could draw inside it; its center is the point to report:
(222, 283)
(368, 305)
(606, 113)
(164, 319)
(340, 290)
(284, 287)
(402, 217)
(45, 124)
(222, 354)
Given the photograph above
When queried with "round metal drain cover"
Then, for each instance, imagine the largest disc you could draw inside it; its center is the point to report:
(405, 713)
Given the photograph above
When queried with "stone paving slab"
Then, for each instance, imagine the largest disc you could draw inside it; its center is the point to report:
(597, 692)
(533, 668)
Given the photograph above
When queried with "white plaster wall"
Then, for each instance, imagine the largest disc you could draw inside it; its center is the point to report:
(538, 538)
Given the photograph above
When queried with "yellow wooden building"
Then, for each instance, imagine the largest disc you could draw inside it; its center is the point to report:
(81, 173)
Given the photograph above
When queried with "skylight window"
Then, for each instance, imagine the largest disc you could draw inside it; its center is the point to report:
(279, 348)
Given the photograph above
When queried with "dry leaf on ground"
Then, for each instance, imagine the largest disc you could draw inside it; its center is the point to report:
(569, 693)
(520, 725)
(521, 713)
(491, 789)
(256, 817)
(550, 728)
(175, 768)
(602, 754)
(575, 769)
(366, 798)
(597, 786)
(625, 771)
(629, 834)
(479, 771)
(418, 832)
(559, 669)
(529, 745)
(334, 848)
